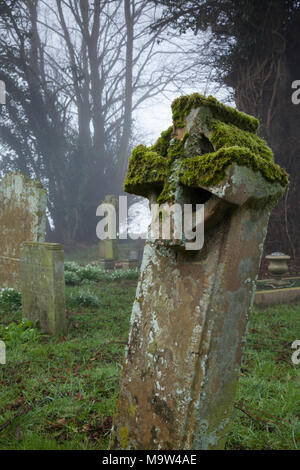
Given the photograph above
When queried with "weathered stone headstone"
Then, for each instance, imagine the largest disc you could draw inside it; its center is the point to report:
(22, 218)
(191, 309)
(110, 254)
(43, 285)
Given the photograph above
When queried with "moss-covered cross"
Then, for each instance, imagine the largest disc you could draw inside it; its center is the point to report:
(206, 138)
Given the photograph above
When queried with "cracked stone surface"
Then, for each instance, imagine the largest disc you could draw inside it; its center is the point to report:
(189, 322)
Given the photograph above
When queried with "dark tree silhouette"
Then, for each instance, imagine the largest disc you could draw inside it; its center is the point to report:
(254, 46)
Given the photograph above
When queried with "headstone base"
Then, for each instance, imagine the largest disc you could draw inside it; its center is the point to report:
(129, 264)
(107, 263)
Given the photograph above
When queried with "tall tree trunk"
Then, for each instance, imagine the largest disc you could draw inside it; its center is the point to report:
(129, 6)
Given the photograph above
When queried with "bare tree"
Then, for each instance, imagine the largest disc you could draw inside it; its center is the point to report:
(85, 68)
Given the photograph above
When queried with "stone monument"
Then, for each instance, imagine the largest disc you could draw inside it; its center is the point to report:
(43, 285)
(22, 218)
(190, 315)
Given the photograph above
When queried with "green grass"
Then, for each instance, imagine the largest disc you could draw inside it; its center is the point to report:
(267, 409)
(58, 392)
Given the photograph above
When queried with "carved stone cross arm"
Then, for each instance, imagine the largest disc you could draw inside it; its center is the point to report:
(212, 155)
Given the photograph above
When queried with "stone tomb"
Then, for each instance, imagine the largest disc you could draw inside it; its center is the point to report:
(22, 218)
(189, 318)
(43, 285)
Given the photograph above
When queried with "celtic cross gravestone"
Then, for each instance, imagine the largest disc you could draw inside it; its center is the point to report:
(192, 307)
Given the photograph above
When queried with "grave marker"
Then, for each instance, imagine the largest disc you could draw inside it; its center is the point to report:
(22, 218)
(43, 285)
(192, 308)
(109, 250)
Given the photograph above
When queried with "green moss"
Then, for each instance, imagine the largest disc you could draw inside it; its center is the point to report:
(228, 135)
(177, 149)
(192, 160)
(168, 193)
(148, 167)
(209, 170)
(162, 144)
(145, 167)
(132, 411)
(124, 437)
(183, 105)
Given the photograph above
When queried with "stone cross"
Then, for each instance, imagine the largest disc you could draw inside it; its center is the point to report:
(22, 218)
(192, 308)
(43, 285)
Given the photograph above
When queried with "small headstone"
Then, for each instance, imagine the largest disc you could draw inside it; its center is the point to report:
(22, 218)
(110, 249)
(110, 254)
(43, 285)
(189, 318)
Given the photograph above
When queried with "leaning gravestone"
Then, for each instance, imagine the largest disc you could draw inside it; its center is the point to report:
(191, 310)
(43, 285)
(22, 218)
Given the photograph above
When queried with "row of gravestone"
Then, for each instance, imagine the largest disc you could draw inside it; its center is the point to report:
(191, 311)
(29, 264)
(26, 261)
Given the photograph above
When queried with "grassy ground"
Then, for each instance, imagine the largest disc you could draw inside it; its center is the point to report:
(58, 392)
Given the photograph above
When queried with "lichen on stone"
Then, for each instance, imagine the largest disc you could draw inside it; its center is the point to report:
(124, 437)
(198, 149)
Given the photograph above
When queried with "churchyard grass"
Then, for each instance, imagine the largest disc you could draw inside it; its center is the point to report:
(58, 392)
(267, 407)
